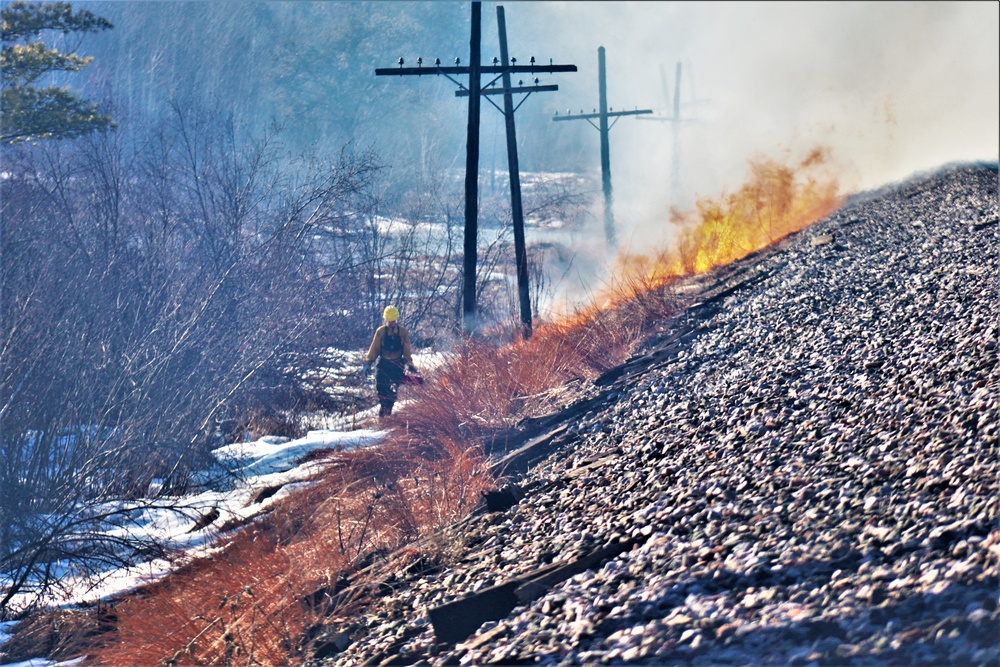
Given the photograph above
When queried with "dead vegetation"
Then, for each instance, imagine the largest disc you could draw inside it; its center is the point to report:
(274, 586)
(260, 599)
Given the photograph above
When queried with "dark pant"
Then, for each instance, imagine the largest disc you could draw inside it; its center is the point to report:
(388, 375)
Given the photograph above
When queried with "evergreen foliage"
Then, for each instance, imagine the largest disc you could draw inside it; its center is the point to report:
(31, 111)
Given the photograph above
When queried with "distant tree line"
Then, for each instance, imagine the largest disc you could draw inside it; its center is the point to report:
(311, 65)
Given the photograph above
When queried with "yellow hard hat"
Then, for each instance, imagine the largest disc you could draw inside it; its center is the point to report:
(390, 314)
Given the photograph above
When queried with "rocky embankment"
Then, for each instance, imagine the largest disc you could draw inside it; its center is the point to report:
(802, 469)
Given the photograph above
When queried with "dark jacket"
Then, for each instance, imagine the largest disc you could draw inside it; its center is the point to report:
(376, 350)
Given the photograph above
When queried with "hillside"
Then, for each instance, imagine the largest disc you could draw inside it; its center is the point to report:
(800, 469)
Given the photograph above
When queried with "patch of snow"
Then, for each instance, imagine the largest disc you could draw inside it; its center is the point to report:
(270, 455)
(269, 462)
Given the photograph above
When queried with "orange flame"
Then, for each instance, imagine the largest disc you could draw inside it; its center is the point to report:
(776, 201)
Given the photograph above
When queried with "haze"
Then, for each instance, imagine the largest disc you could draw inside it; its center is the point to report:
(890, 88)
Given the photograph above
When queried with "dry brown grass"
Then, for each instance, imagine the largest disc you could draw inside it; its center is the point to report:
(254, 602)
(242, 607)
(484, 390)
(56, 634)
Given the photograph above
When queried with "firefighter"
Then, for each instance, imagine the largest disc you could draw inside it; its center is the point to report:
(391, 348)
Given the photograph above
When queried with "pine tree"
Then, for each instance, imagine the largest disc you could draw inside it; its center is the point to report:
(31, 112)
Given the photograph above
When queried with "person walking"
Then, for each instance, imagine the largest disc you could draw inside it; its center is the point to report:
(391, 348)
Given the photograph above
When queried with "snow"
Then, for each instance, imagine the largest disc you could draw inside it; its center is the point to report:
(266, 463)
(271, 455)
(270, 462)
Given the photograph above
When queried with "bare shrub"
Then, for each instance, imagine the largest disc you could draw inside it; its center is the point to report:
(151, 284)
(57, 635)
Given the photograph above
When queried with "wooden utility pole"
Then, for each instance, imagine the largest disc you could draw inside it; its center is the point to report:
(603, 114)
(472, 176)
(513, 169)
(475, 91)
(675, 164)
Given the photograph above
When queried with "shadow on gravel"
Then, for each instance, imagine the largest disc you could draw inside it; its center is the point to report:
(959, 625)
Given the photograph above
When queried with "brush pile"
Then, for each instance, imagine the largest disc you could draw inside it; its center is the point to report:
(802, 469)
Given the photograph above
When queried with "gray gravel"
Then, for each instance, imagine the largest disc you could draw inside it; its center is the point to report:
(811, 478)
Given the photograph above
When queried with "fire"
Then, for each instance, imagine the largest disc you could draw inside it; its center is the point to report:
(777, 200)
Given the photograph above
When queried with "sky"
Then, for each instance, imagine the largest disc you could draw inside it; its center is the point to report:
(891, 89)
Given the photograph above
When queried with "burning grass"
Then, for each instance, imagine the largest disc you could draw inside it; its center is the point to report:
(275, 580)
(777, 200)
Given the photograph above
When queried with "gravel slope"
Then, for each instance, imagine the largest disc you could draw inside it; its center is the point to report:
(808, 476)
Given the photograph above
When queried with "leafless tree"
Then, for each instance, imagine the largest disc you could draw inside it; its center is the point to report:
(161, 281)
(149, 282)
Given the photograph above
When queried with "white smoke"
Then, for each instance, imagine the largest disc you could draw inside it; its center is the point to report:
(890, 88)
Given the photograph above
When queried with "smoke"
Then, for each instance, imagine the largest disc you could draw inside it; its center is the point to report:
(890, 89)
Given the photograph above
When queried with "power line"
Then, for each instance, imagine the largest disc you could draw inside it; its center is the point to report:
(603, 114)
(501, 70)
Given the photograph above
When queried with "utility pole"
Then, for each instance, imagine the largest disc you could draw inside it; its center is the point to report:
(603, 114)
(513, 168)
(472, 176)
(516, 210)
(675, 164)
(474, 91)
(676, 120)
